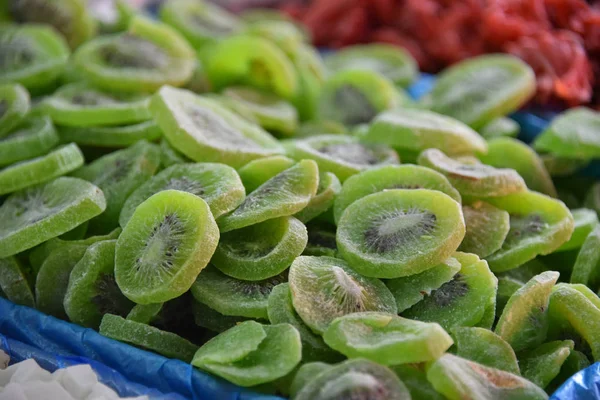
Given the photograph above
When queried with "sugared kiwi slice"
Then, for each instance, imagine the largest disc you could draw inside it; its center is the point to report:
(111, 136)
(32, 138)
(92, 290)
(214, 321)
(14, 283)
(500, 127)
(473, 180)
(586, 269)
(400, 232)
(285, 194)
(217, 184)
(461, 301)
(315, 128)
(205, 131)
(342, 155)
(538, 225)
(159, 255)
(391, 177)
(485, 347)
(41, 169)
(522, 159)
(354, 379)
(285, 34)
(482, 88)
(169, 156)
(585, 220)
(118, 174)
(542, 364)
(34, 215)
(458, 378)
(146, 57)
(32, 55)
(145, 313)
(324, 288)
(14, 105)
(487, 227)
(257, 172)
(306, 373)
(322, 202)
(575, 362)
(250, 353)
(321, 239)
(261, 251)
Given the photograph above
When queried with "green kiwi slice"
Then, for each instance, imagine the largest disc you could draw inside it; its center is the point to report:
(321, 239)
(285, 194)
(217, 184)
(355, 97)
(391, 177)
(14, 105)
(480, 89)
(204, 131)
(586, 269)
(342, 155)
(260, 251)
(457, 378)
(145, 313)
(214, 321)
(542, 364)
(575, 362)
(306, 373)
(14, 283)
(387, 338)
(316, 128)
(500, 127)
(473, 180)
(410, 290)
(487, 227)
(148, 337)
(311, 75)
(285, 34)
(524, 320)
(39, 213)
(461, 301)
(32, 138)
(523, 159)
(166, 262)
(118, 174)
(250, 353)
(585, 220)
(400, 232)
(324, 288)
(234, 297)
(354, 379)
(169, 156)
(146, 57)
(257, 172)
(415, 379)
(33, 55)
(415, 130)
(41, 169)
(81, 105)
(327, 191)
(92, 290)
(111, 136)
(538, 225)
(485, 347)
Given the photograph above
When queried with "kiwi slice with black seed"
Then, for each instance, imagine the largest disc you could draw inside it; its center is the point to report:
(500, 127)
(400, 232)
(285, 194)
(257, 172)
(118, 174)
(169, 156)
(34, 215)
(111, 136)
(214, 321)
(14, 105)
(322, 202)
(461, 301)
(487, 227)
(205, 131)
(145, 313)
(217, 184)
(480, 89)
(146, 57)
(321, 239)
(542, 364)
(32, 138)
(165, 262)
(473, 180)
(586, 269)
(585, 220)
(14, 283)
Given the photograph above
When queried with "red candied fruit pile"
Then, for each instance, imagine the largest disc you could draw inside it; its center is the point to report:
(560, 39)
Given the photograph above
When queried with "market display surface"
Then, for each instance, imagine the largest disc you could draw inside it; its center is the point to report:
(207, 187)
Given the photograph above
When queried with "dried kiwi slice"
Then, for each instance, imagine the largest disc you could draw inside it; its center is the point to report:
(391, 177)
(257, 172)
(474, 180)
(158, 255)
(500, 127)
(217, 184)
(32, 216)
(111, 136)
(306, 373)
(586, 269)
(262, 250)
(480, 89)
(322, 202)
(538, 225)
(14, 283)
(400, 232)
(487, 227)
(92, 290)
(324, 288)
(310, 69)
(14, 105)
(485, 347)
(315, 128)
(214, 321)
(461, 301)
(543, 363)
(342, 155)
(285, 194)
(250, 353)
(145, 313)
(146, 57)
(205, 131)
(32, 138)
(40, 169)
(585, 220)
(234, 297)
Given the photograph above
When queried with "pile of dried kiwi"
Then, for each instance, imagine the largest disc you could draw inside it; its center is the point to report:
(205, 186)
